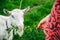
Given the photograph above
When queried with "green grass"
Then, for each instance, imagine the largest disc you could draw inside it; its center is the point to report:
(31, 18)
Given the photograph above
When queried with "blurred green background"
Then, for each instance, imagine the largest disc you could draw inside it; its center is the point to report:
(31, 18)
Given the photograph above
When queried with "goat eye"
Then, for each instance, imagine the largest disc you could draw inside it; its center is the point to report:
(13, 16)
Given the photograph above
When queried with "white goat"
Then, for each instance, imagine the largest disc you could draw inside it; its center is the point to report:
(16, 18)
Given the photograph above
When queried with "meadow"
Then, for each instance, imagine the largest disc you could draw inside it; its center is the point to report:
(31, 18)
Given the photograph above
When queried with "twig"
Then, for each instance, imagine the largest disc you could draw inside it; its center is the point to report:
(20, 4)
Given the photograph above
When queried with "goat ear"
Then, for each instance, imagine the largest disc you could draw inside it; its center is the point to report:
(26, 9)
(6, 11)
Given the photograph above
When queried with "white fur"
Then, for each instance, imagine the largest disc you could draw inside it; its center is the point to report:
(16, 20)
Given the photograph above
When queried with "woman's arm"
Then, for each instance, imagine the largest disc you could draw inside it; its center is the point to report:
(43, 22)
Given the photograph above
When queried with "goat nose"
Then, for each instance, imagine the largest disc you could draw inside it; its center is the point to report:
(21, 28)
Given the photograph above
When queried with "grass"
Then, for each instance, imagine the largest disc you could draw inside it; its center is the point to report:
(31, 18)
